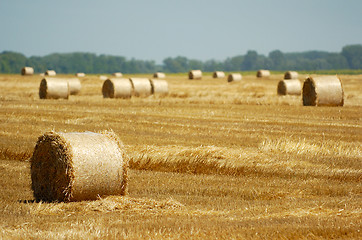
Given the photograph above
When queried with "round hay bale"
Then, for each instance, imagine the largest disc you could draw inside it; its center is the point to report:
(263, 73)
(78, 166)
(159, 86)
(218, 74)
(103, 78)
(80, 74)
(195, 74)
(233, 77)
(54, 88)
(323, 91)
(291, 75)
(159, 75)
(289, 87)
(141, 87)
(117, 74)
(117, 88)
(74, 86)
(27, 71)
(50, 73)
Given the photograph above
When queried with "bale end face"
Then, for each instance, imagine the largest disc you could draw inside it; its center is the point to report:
(309, 93)
(282, 90)
(108, 89)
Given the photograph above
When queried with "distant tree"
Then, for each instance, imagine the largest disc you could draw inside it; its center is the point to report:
(195, 64)
(175, 65)
(349, 58)
(353, 55)
(12, 62)
(250, 61)
(212, 65)
(277, 60)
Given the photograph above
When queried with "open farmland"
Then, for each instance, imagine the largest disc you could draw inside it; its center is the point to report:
(210, 160)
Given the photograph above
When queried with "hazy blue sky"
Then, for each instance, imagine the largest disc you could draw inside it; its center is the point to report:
(196, 29)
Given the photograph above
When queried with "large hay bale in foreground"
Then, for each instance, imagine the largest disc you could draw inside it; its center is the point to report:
(291, 75)
(117, 88)
(78, 166)
(141, 87)
(50, 73)
(159, 75)
(289, 87)
(80, 74)
(195, 74)
(234, 77)
(74, 86)
(117, 74)
(27, 71)
(323, 91)
(218, 74)
(54, 88)
(263, 73)
(159, 86)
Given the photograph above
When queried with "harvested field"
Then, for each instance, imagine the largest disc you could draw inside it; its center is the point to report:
(209, 160)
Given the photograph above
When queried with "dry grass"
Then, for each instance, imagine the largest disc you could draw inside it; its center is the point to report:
(210, 160)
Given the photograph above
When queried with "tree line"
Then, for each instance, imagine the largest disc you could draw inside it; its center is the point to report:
(349, 58)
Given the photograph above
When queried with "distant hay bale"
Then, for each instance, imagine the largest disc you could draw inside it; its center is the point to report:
(117, 88)
(117, 74)
(74, 86)
(218, 74)
(291, 75)
(233, 77)
(78, 166)
(50, 73)
(195, 74)
(159, 86)
(289, 87)
(103, 78)
(27, 71)
(263, 73)
(54, 88)
(80, 74)
(323, 91)
(159, 75)
(141, 87)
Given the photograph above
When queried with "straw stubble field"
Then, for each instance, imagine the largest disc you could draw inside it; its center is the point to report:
(210, 160)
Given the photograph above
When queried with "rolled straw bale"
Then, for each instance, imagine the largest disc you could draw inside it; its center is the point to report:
(80, 74)
(27, 71)
(291, 75)
(78, 166)
(263, 73)
(74, 86)
(159, 86)
(159, 75)
(117, 74)
(117, 88)
(323, 91)
(218, 74)
(54, 88)
(103, 78)
(289, 87)
(233, 77)
(50, 73)
(195, 74)
(141, 87)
